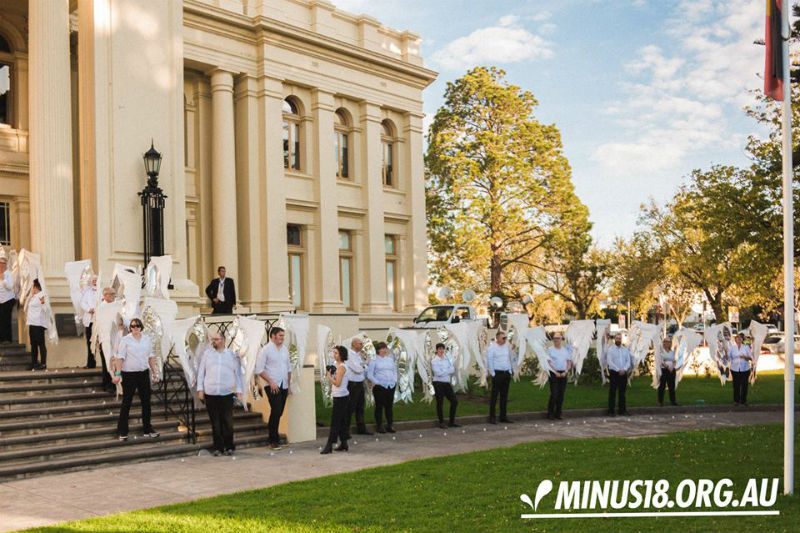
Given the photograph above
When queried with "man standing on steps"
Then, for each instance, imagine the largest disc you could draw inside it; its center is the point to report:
(222, 293)
(356, 373)
(620, 363)
(498, 362)
(273, 366)
(7, 298)
(219, 378)
(88, 304)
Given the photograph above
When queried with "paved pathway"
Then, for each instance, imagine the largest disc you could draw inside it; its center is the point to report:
(57, 498)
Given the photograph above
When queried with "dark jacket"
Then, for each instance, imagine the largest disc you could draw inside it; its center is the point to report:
(226, 307)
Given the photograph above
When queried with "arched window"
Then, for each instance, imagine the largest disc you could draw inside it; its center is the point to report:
(291, 135)
(342, 144)
(387, 143)
(6, 73)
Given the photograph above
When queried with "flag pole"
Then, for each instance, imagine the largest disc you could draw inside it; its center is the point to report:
(788, 262)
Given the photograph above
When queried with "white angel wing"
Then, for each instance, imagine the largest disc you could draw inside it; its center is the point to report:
(157, 276)
(537, 341)
(579, 335)
(602, 328)
(74, 273)
(685, 342)
(324, 359)
(297, 327)
(759, 332)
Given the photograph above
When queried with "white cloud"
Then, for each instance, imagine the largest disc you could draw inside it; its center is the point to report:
(506, 42)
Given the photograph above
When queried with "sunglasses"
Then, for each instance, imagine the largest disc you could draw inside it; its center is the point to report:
(137, 326)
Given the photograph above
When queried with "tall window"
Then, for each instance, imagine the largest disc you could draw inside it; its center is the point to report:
(291, 135)
(6, 62)
(346, 268)
(387, 142)
(390, 244)
(5, 224)
(296, 246)
(341, 145)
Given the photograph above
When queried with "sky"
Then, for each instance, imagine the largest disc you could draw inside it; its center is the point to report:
(643, 91)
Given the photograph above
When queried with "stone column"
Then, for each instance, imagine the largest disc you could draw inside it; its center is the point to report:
(375, 261)
(416, 250)
(326, 296)
(223, 174)
(52, 222)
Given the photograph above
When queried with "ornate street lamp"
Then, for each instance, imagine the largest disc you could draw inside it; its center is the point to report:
(152, 207)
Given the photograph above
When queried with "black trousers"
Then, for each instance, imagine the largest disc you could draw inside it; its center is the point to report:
(277, 403)
(222, 308)
(90, 360)
(106, 376)
(741, 381)
(339, 429)
(500, 383)
(442, 390)
(131, 383)
(667, 380)
(38, 346)
(558, 386)
(618, 385)
(220, 412)
(355, 405)
(384, 402)
(5, 320)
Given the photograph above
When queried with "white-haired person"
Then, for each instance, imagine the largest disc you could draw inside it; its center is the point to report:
(559, 358)
(668, 372)
(109, 296)
(36, 318)
(356, 365)
(337, 377)
(382, 372)
(132, 364)
(7, 299)
(219, 380)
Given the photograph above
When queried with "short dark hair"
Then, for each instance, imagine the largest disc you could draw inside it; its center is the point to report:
(342, 353)
(221, 267)
(440, 345)
(37, 284)
(380, 346)
(274, 331)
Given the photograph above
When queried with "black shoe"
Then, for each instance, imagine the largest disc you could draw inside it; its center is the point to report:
(441, 425)
(624, 413)
(506, 421)
(364, 432)
(390, 429)
(550, 417)
(122, 438)
(492, 420)
(453, 425)
(661, 404)
(326, 450)
(152, 434)
(675, 404)
(558, 417)
(380, 430)
(216, 453)
(610, 412)
(342, 448)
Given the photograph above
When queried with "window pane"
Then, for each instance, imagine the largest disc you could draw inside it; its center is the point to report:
(388, 243)
(5, 223)
(390, 294)
(344, 240)
(343, 157)
(389, 164)
(296, 280)
(285, 144)
(296, 139)
(336, 149)
(293, 235)
(344, 281)
(5, 92)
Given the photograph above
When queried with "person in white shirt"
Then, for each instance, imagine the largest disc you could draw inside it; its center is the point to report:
(559, 358)
(498, 363)
(443, 371)
(382, 372)
(222, 293)
(356, 374)
(273, 366)
(668, 372)
(88, 304)
(36, 318)
(337, 377)
(620, 363)
(219, 379)
(109, 296)
(7, 299)
(740, 357)
(132, 365)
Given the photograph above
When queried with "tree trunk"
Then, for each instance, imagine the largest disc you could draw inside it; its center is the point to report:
(496, 272)
(715, 301)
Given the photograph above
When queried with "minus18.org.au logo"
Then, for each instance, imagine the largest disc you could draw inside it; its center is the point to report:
(648, 497)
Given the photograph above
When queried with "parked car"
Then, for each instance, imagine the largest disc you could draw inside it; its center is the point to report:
(439, 315)
(774, 344)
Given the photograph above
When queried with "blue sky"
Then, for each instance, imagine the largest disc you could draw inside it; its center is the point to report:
(643, 91)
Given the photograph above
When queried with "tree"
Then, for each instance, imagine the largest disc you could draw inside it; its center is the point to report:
(498, 184)
(636, 268)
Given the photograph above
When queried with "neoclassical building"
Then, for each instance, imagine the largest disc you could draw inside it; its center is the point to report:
(291, 135)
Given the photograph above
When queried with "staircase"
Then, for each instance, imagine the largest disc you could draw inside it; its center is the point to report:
(62, 420)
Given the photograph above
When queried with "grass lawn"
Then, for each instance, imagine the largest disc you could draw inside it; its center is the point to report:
(525, 396)
(480, 491)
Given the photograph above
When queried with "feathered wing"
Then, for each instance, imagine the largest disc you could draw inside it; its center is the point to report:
(324, 359)
(579, 335)
(74, 272)
(128, 283)
(518, 325)
(537, 342)
(425, 354)
(297, 327)
(759, 332)
(107, 328)
(30, 269)
(253, 332)
(166, 311)
(178, 330)
(685, 343)
(718, 349)
(643, 337)
(157, 276)
(658, 360)
(602, 329)
(462, 333)
(406, 345)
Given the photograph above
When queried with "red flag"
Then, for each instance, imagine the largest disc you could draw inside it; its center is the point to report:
(773, 67)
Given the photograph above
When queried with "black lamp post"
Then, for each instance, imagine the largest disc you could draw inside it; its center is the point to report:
(153, 207)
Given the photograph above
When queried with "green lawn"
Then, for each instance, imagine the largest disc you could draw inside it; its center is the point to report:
(524, 396)
(480, 491)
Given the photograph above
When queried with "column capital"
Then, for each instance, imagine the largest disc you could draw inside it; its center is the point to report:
(321, 99)
(221, 80)
(370, 112)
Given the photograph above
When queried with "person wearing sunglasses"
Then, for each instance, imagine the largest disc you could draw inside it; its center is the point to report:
(132, 365)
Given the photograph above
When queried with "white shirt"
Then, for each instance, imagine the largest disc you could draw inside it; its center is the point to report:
(341, 391)
(383, 371)
(135, 354)
(442, 369)
(219, 373)
(356, 367)
(88, 303)
(619, 358)
(275, 362)
(221, 290)
(498, 357)
(37, 311)
(6, 287)
(558, 358)
(738, 363)
(668, 359)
